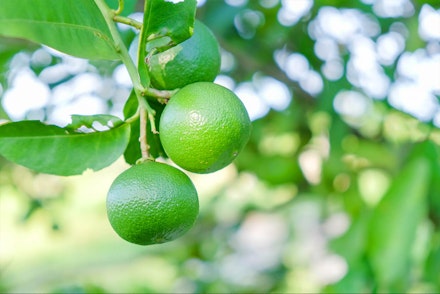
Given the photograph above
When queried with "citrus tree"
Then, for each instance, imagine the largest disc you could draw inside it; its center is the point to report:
(336, 189)
(203, 128)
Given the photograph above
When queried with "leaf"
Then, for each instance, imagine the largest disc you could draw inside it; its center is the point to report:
(394, 223)
(164, 18)
(53, 150)
(356, 280)
(76, 27)
(171, 18)
(351, 246)
(133, 151)
(431, 151)
(432, 265)
(92, 122)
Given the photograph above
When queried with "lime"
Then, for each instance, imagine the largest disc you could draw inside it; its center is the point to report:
(194, 60)
(152, 203)
(204, 127)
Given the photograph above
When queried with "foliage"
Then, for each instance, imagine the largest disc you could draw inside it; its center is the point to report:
(337, 191)
(90, 27)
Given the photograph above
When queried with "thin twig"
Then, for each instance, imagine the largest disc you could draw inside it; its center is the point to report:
(161, 94)
(128, 21)
(134, 117)
(143, 134)
(153, 124)
(120, 7)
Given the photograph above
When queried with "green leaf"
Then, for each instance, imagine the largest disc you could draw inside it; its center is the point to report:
(351, 246)
(75, 27)
(431, 151)
(53, 150)
(356, 280)
(166, 18)
(394, 223)
(432, 265)
(93, 122)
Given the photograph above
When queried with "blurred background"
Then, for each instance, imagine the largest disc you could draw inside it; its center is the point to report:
(343, 95)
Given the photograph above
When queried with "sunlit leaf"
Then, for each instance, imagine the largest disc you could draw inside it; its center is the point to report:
(394, 223)
(165, 24)
(76, 27)
(174, 19)
(91, 122)
(53, 150)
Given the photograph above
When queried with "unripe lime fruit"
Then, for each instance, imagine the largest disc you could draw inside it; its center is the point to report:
(194, 60)
(152, 203)
(204, 127)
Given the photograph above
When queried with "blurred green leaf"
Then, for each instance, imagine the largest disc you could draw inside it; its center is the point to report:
(77, 27)
(394, 223)
(273, 169)
(355, 281)
(432, 266)
(352, 246)
(431, 151)
(80, 289)
(65, 153)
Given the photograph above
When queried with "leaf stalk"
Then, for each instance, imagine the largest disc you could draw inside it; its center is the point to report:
(120, 7)
(128, 21)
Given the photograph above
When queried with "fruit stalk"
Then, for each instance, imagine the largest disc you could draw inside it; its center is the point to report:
(133, 72)
(127, 21)
(161, 95)
(143, 134)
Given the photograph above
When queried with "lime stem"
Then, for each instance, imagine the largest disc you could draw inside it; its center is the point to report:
(160, 94)
(121, 49)
(127, 21)
(143, 133)
(153, 123)
(134, 117)
(120, 7)
(145, 110)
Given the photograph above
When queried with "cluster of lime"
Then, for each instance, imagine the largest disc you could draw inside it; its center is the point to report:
(203, 128)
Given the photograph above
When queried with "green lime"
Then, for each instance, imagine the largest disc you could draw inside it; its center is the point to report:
(204, 127)
(152, 203)
(194, 60)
